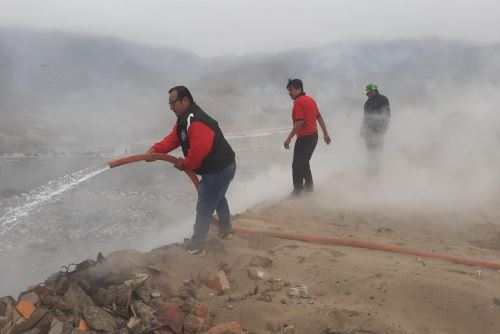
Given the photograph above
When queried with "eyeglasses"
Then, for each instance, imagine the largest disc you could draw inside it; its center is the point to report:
(173, 102)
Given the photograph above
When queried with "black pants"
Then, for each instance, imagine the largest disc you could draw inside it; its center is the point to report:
(301, 170)
(374, 142)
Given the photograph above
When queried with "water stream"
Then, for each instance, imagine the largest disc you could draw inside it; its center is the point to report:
(37, 197)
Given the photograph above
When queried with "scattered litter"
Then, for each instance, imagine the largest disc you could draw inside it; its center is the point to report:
(155, 294)
(298, 291)
(136, 280)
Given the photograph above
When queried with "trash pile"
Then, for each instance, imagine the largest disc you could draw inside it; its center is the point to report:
(102, 297)
(165, 291)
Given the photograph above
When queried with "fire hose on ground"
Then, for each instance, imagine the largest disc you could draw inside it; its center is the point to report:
(313, 238)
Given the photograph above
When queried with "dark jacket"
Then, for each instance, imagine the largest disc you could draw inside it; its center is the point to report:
(202, 142)
(377, 114)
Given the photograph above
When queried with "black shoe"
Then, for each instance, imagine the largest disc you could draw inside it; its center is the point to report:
(294, 194)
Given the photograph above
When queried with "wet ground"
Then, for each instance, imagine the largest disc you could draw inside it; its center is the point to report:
(138, 206)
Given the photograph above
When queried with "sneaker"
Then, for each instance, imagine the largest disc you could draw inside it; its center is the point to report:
(226, 236)
(198, 252)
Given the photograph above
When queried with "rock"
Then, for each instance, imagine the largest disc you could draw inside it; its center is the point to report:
(99, 319)
(186, 306)
(155, 294)
(54, 302)
(145, 313)
(37, 315)
(11, 316)
(227, 328)
(76, 299)
(170, 314)
(496, 301)
(56, 326)
(230, 306)
(192, 324)
(3, 322)
(259, 261)
(212, 282)
(118, 294)
(201, 310)
(144, 291)
(30, 296)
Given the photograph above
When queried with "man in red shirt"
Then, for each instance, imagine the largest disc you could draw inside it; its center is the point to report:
(208, 154)
(305, 113)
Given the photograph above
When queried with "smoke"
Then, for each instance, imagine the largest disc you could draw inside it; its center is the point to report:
(440, 156)
(441, 149)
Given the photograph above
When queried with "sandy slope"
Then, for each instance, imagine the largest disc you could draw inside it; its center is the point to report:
(351, 290)
(379, 291)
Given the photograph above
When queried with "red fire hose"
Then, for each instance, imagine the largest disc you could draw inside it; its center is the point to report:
(152, 157)
(312, 238)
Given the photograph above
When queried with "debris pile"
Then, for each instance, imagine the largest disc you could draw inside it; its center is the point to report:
(107, 297)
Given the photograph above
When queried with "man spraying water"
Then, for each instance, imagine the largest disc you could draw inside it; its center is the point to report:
(208, 154)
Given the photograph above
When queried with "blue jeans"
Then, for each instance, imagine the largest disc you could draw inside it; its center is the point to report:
(212, 197)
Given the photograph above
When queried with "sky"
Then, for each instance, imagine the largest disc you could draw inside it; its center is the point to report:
(236, 27)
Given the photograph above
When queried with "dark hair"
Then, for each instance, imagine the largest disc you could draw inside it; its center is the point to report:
(295, 83)
(182, 92)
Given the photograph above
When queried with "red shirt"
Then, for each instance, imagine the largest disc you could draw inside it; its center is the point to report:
(305, 109)
(201, 139)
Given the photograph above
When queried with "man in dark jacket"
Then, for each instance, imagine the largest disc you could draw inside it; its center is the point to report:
(208, 154)
(305, 113)
(377, 114)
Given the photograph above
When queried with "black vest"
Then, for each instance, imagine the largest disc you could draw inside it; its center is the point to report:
(220, 156)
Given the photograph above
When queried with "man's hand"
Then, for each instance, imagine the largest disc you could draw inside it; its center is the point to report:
(179, 164)
(327, 139)
(150, 151)
(287, 142)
